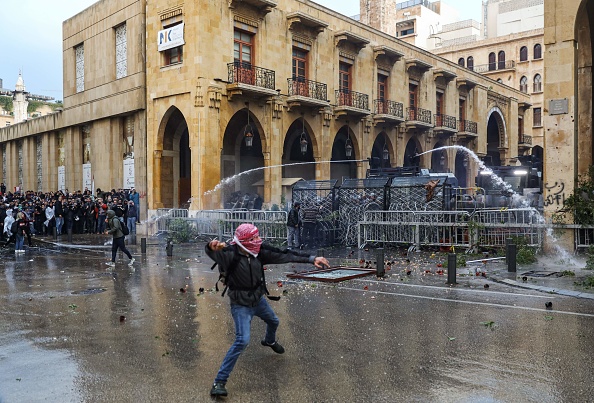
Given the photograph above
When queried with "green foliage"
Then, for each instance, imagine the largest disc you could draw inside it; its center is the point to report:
(460, 260)
(580, 203)
(181, 230)
(524, 253)
(587, 283)
(6, 103)
(590, 259)
(568, 273)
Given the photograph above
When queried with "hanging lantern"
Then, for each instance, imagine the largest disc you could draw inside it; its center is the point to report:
(348, 148)
(442, 160)
(386, 154)
(303, 141)
(465, 161)
(247, 131)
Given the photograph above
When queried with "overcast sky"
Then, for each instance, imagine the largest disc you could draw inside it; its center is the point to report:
(32, 37)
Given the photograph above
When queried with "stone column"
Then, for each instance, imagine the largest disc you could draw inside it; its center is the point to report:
(156, 191)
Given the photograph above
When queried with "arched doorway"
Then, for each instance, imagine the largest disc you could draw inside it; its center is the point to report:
(298, 140)
(411, 157)
(584, 22)
(461, 169)
(495, 137)
(237, 156)
(439, 159)
(380, 152)
(343, 141)
(176, 161)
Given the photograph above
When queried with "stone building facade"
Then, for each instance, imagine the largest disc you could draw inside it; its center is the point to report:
(515, 60)
(567, 97)
(289, 72)
(102, 127)
(305, 85)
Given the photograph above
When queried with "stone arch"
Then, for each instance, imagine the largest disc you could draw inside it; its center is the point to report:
(411, 151)
(338, 170)
(496, 135)
(237, 157)
(461, 168)
(382, 141)
(173, 178)
(292, 151)
(583, 34)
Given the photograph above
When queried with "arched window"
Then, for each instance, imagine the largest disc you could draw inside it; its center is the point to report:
(524, 84)
(523, 53)
(470, 63)
(537, 83)
(461, 62)
(492, 62)
(537, 51)
(501, 60)
(500, 81)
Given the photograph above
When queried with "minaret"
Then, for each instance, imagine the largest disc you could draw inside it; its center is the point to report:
(19, 101)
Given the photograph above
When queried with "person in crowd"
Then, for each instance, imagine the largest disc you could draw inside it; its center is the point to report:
(22, 228)
(132, 212)
(50, 221)
(59, 214)
(310, 220)
(135, 197)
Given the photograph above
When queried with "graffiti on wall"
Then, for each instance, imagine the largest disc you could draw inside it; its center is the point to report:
(555, 194)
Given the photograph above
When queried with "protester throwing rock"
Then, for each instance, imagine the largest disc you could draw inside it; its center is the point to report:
(241, 270)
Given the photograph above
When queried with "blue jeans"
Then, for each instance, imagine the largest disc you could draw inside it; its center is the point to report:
(242, 316)
(132, 224)
(19, 242)
(59, 224)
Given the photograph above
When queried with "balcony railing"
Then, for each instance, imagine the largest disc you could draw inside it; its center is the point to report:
(468, 126)
(485, 68)
(445, 121)
(525, 139)
(352, 99)
(385, 107)
(419, 114)
(307, 88)
(247, 73)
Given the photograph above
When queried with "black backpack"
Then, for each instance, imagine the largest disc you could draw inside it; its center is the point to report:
(123, 227)
(14, 228)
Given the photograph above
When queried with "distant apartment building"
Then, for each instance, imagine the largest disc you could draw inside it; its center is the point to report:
(505, 17)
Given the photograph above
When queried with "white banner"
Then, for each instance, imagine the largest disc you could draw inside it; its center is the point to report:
(171, 37)
(61, 177)
(87, 177)
(128, 173)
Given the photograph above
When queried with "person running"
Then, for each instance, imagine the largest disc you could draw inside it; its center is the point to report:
(241, 266)
(114, 227)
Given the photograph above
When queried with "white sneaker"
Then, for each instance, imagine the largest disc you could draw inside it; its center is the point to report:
(22, 251)
(131, 262)
(110, 263)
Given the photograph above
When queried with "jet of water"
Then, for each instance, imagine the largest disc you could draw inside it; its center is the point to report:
(230, 179)
(565, 256)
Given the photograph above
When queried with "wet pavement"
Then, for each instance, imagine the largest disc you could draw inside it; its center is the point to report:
(74, 330)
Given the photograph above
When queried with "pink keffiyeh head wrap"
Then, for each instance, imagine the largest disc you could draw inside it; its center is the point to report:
(247, 237)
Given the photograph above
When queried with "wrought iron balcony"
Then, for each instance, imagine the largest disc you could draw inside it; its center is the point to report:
(247, 73)
(419, 115)
(445, 122)
(352, 98)
(311, 93)
(388, 110)
(490, 67)
(525, 140)
(467, 127)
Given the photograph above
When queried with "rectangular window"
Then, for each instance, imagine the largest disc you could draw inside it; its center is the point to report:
(520, 130)
(243, 47)
(344, 83)
(537, 116)
(439, 103)
(173, 55)
(412, 95)
(121, 52)
(299, 64)
(409, 31)
(79, 52)
(462, 112)
(382, 87)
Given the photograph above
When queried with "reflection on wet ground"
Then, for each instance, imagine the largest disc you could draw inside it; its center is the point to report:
(71, 330)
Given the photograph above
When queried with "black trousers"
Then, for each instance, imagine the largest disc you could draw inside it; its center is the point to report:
(118, 243)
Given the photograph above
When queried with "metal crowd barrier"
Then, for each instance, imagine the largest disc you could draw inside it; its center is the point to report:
(488, 228)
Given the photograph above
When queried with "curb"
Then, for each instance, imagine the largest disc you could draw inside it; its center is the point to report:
(548, 290)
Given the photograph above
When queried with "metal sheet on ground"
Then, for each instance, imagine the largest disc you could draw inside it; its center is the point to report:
(333, 274)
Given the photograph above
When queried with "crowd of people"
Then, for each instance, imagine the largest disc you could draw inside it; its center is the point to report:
(81, 212)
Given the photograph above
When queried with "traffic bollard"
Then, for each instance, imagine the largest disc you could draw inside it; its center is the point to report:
(451, 268)
(70, 235)
(55, 232)
(143, 246)
(511, 257)
(379, 257)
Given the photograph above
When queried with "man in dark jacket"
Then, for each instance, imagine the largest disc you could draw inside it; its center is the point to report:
(114, 227)
(294, 226)
(241, 267)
